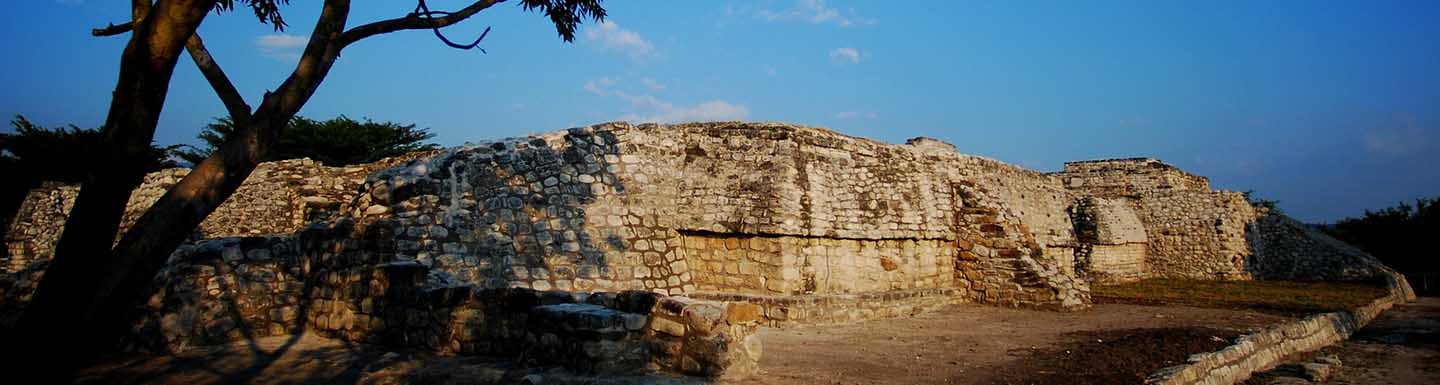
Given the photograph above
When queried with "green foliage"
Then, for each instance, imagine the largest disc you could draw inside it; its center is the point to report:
(33, 154)
(335, 142)
(36, 153)
(566, 14)
(268, 11)
(1396, 235)
(1270, 205)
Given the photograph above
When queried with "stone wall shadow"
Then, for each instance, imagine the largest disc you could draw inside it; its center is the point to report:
(528, 225)
(246, 302)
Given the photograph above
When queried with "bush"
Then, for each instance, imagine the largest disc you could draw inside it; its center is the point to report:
(335, 142)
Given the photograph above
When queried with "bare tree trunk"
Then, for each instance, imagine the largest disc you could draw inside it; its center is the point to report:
(63, 323)
(89, 294)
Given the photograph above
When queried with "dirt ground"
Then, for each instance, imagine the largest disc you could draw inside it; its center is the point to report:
(1402, 346)
(985, 345)
(1110, 343)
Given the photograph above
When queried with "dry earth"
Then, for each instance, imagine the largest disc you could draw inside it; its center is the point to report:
(958, 345)
(981, 345)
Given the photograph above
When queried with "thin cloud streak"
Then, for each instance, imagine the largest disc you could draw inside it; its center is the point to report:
(811, 11)
(281, 46)
(615, 39)
(845, 54)
(651, 109)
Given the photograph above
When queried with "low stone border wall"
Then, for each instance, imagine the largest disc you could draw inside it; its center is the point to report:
(236, 289)
(819, 309)
(1264, 349)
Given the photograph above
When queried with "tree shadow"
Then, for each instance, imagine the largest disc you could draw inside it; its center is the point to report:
(529, 222)
(547, 213)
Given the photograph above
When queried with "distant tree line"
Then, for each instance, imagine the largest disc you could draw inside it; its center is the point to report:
(35, 154)
(1399, 236)
(336, 142)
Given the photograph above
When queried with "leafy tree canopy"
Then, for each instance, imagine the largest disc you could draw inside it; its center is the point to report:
(34, 153)
(335, 142)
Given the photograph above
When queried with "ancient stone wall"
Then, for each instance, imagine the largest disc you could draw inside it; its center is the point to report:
(36, 225)
(802, 224)
(1190, 230)
(1285, 249)
(720, 208)
(1195, 234)
(1129, 177)
(278, 198)
(325, 281)
(1113, 243)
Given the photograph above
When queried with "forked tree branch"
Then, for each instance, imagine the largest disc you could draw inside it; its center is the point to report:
(234, 103)
(415, 20)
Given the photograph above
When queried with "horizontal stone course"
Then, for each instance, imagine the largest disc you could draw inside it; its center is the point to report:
(1267, 348)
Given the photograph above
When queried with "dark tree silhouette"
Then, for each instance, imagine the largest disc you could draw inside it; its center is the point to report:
(87, 297)
(336, 142)
(1261, 203)
(34, 154)
(1396, 235)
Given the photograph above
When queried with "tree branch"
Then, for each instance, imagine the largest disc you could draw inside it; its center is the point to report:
(113, 29)
(415, 20)
(139, 9)
(315, 62)
(234, 103)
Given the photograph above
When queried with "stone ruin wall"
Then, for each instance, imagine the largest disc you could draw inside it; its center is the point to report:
(808, 225)
(328, 280)
(1113, 245)
(36, 226)
(278, 198)
(1285, 249)
(757, 209)
(1192, 232)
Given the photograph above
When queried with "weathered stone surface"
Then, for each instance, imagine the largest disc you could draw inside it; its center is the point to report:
(1265, 349)
(580, 242)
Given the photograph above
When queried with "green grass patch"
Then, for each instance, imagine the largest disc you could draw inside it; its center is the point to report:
(1275, 297)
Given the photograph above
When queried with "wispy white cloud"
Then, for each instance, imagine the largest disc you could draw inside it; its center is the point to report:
(845, 54)
(652, 84)
(281, 46)
(714, 110)
(809, 11)
(1405, 138)
(613, 38)
(600, 86)
(648, 108)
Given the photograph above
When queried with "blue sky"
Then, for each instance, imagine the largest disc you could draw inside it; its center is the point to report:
(1330, 107)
